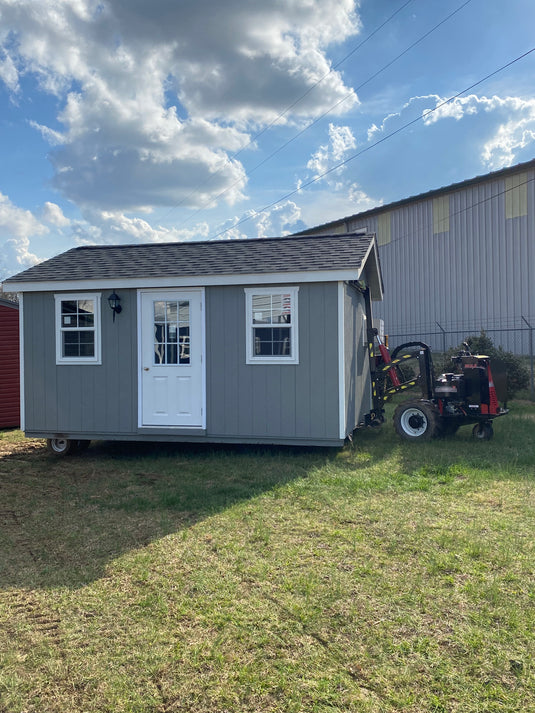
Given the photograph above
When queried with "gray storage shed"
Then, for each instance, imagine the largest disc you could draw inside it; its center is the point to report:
(250, 341)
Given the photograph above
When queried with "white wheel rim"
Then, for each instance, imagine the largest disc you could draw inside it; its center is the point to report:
(413, 429)
(59, 444)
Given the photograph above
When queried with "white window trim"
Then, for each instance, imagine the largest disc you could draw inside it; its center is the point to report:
(63, 297)
(251, 358)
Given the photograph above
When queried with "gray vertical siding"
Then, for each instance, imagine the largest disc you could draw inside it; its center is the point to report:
(99, 398)
(276, 401)
(356, 362)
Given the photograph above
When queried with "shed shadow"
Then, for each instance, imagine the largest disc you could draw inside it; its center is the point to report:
(62, 520)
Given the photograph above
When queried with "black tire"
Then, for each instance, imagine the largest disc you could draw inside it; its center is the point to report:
(483, 431)
(82, 445)
(417, 421)
(62, 446)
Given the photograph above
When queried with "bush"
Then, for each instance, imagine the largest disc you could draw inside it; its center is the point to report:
(518, 374)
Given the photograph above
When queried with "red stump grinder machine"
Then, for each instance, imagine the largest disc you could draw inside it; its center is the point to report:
(466, 395)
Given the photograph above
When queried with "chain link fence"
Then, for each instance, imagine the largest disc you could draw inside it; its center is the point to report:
(518, 339)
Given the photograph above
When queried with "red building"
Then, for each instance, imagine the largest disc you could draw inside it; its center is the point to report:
(9, 365)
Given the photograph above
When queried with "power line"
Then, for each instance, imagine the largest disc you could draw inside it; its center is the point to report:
(252, 140)
(334, 106)
(376, 143)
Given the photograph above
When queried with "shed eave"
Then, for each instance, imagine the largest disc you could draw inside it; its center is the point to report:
(271, 278)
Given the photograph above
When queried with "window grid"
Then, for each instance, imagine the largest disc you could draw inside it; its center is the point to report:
(171, 332)
(77, 325)
(271, 317)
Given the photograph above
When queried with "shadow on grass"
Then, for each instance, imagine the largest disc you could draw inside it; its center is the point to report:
(62, 520)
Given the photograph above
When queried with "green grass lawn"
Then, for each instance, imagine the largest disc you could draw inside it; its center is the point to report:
(385, 577)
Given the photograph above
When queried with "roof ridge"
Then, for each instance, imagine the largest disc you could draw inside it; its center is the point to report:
(230, 241)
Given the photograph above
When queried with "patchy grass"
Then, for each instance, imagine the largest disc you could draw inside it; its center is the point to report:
(384, 577)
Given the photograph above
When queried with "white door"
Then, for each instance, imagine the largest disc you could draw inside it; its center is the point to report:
(172, 392)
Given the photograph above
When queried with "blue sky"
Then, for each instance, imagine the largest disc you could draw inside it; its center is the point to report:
(123, 121)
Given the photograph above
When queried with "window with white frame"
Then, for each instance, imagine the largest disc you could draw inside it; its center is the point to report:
(78, 328)
(271, 314)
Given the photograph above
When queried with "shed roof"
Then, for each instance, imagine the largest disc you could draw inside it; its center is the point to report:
(348, 253)
(8, 303)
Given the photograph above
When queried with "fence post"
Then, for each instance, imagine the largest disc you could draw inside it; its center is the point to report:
(443, 337)
(532, 391)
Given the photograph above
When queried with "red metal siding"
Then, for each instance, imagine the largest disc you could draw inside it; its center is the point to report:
(9, 367)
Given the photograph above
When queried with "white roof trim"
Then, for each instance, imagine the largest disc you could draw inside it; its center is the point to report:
(270, 278)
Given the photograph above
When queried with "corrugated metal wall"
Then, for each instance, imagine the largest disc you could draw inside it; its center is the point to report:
(458, 261)
(9, 367)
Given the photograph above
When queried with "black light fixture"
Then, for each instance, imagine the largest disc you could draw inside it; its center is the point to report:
(115, 303)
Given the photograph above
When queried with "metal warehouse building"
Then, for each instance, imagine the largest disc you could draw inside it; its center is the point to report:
(457, 260)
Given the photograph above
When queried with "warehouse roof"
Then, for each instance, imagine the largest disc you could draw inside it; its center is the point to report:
(253, 257)
(493, 175)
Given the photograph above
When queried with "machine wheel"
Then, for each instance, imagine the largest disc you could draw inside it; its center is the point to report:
(483, 431)
(61, 446)
(416, 421)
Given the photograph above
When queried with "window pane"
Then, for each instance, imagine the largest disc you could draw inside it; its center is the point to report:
(71, 350)
(86, 320)
(184, 345)
(183, 315)
(172, 309)
(261, 309)
(86, 337)
(171, 333)
(87, 350)
(86, 307)
(172, 354)
(159, 344)
(68, 307)
(159, 311)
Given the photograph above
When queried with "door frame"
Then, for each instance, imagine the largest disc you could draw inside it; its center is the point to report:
(200, 291)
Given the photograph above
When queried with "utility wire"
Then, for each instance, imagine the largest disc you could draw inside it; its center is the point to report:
(256, 136)
(328, 111)
(376, 143)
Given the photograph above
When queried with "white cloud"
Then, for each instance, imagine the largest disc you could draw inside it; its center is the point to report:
(276, 221)
(113, 227)
(157, 96)
(9, 74)
(53, 215)
(16, 227)
(508, 128)
(341, 141)
(17, 222)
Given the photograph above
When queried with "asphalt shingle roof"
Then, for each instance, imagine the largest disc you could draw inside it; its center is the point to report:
(217, 257)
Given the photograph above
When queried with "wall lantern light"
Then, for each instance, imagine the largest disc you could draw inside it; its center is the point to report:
(115, 303)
